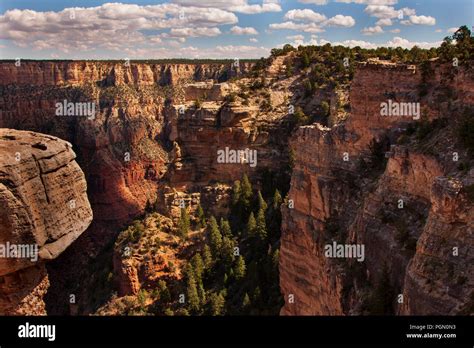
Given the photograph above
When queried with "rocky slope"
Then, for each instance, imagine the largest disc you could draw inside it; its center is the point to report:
(44, 205)
(345, 189)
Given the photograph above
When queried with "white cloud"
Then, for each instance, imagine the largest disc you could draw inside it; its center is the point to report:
(305, 27)
(312, 22)
(395, 31)
(370, 2)
(111, 26)
(384, 22)
(314, 2)
(340, 21)
(395, 42)
(350, 43)
(372, 30)
(408, 11)
(422, 20)
(381, 11)
(252, 39)
(243, 51)
(241, 6)
(404, 43)
(312, 42)
(305, 15)
(295, 37)
(194, 32)
(236, 30)
(451, 30)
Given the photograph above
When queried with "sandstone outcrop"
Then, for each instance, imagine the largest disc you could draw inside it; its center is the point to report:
(44, 206)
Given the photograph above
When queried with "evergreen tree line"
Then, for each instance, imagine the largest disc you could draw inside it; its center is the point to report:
(236, 270)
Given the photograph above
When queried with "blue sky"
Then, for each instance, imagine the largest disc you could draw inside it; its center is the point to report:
(92, 29)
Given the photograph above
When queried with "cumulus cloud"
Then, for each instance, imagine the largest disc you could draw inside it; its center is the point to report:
(195, 32)
(384, 22)
(242, 51)
(308, 21)
(408, 11)
(252, 39)
(305, 15)
(241, 6)
(349, 43)
(395, 31)
(419, 20)
(113, 26)
(340, 21)
(395, 42)
(314, 2)
(295, 37)
(372, 30)
(381, 11)
(404, 43)
(305, 27)
(451, 30)
(370, 2)
(236, 30)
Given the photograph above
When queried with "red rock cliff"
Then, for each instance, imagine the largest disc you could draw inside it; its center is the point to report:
(342, 192)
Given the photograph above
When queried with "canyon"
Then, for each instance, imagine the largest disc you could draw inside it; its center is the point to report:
(154, 142)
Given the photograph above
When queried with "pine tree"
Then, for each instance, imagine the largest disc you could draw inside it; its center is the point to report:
(251, 226)
(236, 191)
(227, 251)
(198, 266)
(188, 271)
(207, 257)
(305, 60)
(240, 268)
(201, 292)
(277, 200)
(261, 229)
(246, 194)
(276, 259)
(183, 224)
(225, 228)
(215, 237)
(217, 304)
(261, 202)
(192, 294)
(164, 292)
(201, 217)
